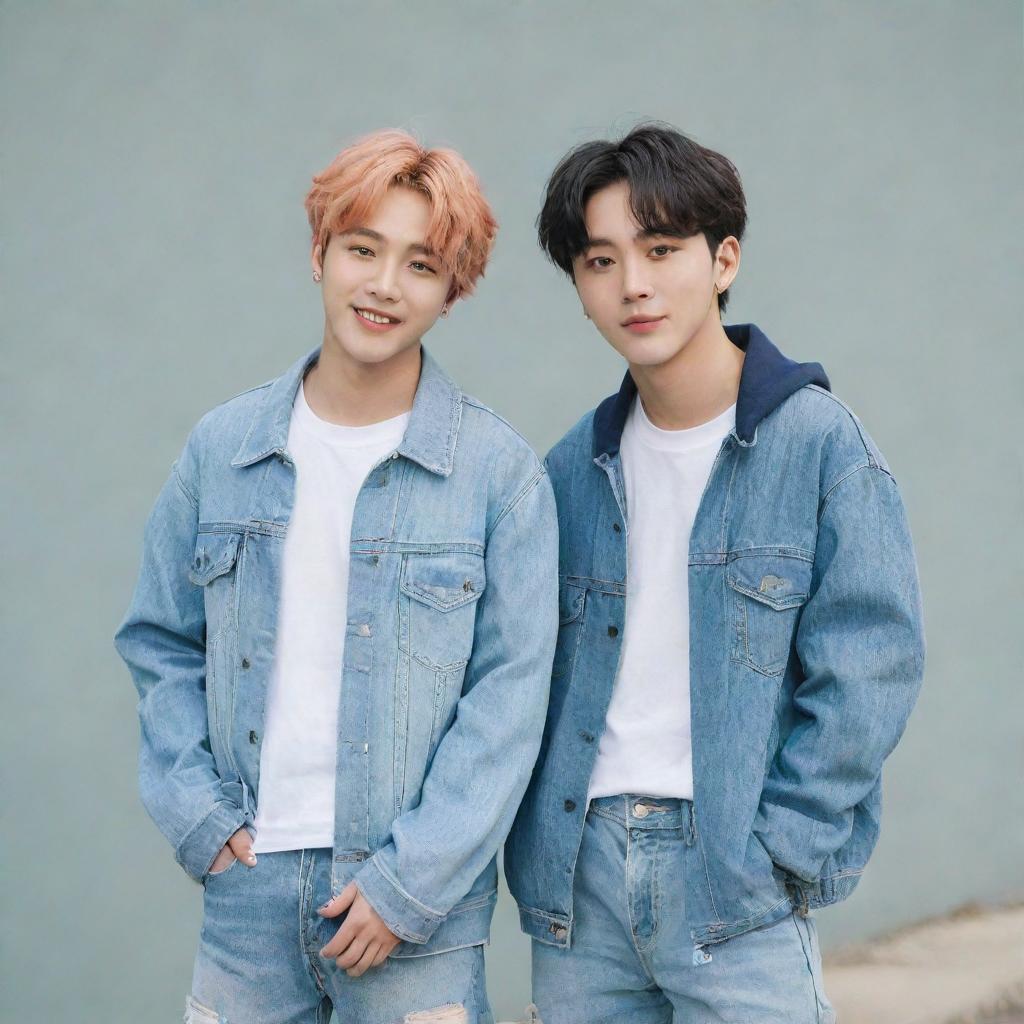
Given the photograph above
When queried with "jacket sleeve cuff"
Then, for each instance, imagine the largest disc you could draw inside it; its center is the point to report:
(791, 839)
(403, 914)
(199, 849)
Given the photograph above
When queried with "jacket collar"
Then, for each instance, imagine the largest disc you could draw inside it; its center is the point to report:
(429, 437)
(767, 379)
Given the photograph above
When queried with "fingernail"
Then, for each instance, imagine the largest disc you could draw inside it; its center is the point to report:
(324, 907)
(251, 858)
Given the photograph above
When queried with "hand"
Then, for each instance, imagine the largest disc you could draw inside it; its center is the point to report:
(364, 940)
(239, 847)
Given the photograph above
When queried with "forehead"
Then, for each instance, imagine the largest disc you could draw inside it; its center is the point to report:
(607, 213)
(401, 218)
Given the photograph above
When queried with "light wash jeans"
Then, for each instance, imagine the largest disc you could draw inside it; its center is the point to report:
(631, 958)
(259, 962)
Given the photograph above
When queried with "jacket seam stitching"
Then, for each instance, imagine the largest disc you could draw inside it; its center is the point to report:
(191, 498)
(872, 461)
(477, 404)
(827, 499)
(524, 491)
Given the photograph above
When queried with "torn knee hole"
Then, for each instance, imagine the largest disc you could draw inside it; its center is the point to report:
(196, 1013)
(450, 1013)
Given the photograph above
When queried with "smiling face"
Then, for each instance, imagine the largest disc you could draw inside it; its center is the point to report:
(383, 288)
(648, 294)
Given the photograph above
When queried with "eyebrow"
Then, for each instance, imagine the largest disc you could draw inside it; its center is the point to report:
(643, 233)
(376, 236)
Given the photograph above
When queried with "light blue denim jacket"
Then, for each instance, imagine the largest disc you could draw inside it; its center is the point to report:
(452, 619)
(806, 654)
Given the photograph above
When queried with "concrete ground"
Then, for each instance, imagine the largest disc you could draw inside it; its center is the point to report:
(964, 969)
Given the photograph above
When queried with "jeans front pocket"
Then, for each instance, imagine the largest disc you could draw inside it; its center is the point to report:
(213, 875)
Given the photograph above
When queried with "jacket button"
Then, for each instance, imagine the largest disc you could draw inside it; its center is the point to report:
(613, 630)
(570, 805)
(246, 663)
(616, 528)
(587, 737)
(253, 738)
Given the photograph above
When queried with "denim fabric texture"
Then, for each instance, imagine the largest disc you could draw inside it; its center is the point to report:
(452, 621)
(258, 960)
(632, 960)
(806, 655)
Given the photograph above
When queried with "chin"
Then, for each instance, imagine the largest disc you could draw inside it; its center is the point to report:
(372, 350)
(648, 351)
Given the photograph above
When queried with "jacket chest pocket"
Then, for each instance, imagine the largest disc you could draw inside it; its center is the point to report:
(439, 595)
(766, 592)
(214, 568)
(437, 616)
(571, 602)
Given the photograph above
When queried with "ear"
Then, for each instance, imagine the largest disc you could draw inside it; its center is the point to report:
(317, 259)
(727, 262)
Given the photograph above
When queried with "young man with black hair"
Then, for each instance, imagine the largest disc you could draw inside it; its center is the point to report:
(740, 638)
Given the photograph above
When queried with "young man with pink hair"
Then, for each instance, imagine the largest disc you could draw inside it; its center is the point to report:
(343, 629)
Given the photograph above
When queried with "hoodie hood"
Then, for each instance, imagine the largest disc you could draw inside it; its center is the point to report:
(767, 379)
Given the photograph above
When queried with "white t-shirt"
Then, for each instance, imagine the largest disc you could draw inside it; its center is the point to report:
(300, 731)
(645, 747)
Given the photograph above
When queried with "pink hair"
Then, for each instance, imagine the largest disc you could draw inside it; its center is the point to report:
(462, 227)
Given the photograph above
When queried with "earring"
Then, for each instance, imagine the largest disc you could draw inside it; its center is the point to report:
(586, 315)
(316, 276)
(444, 309)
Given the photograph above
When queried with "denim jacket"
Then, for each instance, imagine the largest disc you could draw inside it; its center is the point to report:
(806, 654)
(451, 626)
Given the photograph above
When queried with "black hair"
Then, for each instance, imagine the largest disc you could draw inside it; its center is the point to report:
(676, 187)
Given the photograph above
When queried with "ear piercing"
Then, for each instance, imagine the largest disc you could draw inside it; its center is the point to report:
(444, 309)
(316, 276)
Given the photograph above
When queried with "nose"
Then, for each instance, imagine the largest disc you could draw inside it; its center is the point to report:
(636, 286)
(384, 283)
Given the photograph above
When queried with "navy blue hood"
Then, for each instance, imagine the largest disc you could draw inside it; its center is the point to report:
(768, 378)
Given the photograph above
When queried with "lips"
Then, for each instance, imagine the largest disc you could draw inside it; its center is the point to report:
(643, 324)
(374, 319)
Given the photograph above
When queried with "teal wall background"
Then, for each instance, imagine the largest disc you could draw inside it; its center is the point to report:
(154, 262)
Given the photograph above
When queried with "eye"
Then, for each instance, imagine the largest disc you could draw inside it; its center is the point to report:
(663, 250)
(361, 250)
(600, 262)
(422, 268)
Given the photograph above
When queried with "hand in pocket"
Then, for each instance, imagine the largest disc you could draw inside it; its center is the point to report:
(238, 847)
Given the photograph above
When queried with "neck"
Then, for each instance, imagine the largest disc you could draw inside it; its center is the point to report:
(697, 384)
(342, 390)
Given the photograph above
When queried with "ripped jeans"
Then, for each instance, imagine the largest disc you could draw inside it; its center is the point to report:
(632, 960)
(258, 960)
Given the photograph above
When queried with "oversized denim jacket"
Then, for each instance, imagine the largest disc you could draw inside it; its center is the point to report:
(451, 626)
(806, 655)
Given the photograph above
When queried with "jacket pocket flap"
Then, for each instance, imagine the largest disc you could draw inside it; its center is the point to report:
(215, 555)
(570, 603)
(779, 581)
(443, 581)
